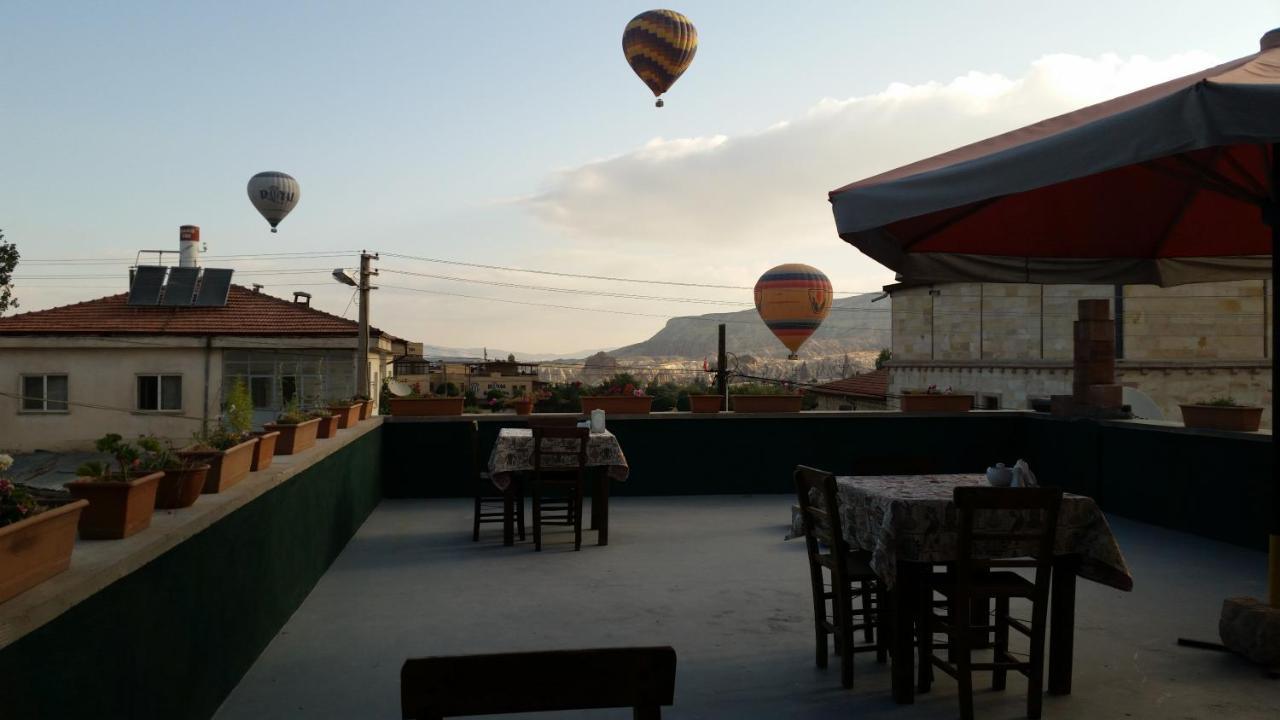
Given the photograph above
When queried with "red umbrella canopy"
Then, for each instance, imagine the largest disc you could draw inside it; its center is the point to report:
(1168, 185)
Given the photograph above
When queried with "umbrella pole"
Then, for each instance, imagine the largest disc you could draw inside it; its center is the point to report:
(1273, 217)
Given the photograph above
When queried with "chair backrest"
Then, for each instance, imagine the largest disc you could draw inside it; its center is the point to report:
(560, 449)
(1028, 518)
(818, 495)
(643, 678)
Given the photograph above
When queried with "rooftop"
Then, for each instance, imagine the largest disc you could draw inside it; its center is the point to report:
(713, 577)
(246, 313)
(874, 384)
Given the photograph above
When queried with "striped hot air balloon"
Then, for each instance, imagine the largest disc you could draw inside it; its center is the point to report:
(793, 300)
(274, 194)
(659, 45)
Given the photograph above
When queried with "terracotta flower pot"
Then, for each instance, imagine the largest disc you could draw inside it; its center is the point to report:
(348, 415)
(765, 403)
(617, 404)
(264, 451)
(705, 403)
(365, 407)
(117, 508)
(925, 402)
(180, 488)
(226, 467)
(371, 409)
(1222, 417)
(426, 406)
(328, 427)
(523, 407)
(37, 548)
(294, 438)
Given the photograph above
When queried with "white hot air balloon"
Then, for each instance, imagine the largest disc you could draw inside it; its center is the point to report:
(274, 194)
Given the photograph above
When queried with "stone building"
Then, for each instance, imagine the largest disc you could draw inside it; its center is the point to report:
(1010, 344)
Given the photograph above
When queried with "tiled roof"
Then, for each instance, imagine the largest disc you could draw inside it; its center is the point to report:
(246, 313)
(874, 384)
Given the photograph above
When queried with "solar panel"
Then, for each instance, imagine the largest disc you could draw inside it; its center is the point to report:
(147, 281)
(181, 286)
(214, 287)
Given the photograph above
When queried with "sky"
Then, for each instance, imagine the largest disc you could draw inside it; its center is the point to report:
(514, 134)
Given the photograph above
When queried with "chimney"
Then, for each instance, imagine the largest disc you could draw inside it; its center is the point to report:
(257, 288)
(306, 297)
(189, 246)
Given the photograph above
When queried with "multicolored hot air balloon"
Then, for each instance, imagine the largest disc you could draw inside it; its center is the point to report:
(274, 194)
(793, 300)
(659, 45)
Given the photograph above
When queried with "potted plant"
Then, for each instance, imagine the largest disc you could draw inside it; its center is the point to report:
(1222, 413)
(764, 398)
(183, 478)
(701, 402)
(348, 412)
(328, 426)
(36, 537)
(264, 450)
(420, 403)
(297, 430)
(228, 448)
(931, 399)
(522, 403)
(620, 395)
(366, 405)
(121, 496)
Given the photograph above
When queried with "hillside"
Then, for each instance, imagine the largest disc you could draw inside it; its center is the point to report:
(853, 325)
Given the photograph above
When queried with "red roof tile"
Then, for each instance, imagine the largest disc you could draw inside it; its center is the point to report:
(246, 313)
(874, 384)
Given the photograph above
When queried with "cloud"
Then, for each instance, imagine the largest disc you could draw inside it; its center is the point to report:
(704, 194)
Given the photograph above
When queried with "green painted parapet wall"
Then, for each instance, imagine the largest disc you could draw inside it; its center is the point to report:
(1213, 484)
(172, 639)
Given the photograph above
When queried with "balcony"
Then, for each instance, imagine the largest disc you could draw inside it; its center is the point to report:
(264, 609)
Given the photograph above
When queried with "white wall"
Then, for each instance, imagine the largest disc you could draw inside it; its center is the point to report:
(102, 373)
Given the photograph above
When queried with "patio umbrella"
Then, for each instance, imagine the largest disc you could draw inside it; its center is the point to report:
(1177, 183)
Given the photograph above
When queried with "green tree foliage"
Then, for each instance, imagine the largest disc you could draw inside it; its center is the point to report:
(884, 357)
(8, 261)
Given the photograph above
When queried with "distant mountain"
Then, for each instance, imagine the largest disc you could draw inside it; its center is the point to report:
(854, 325)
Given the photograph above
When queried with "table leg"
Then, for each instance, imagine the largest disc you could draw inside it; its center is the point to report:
(508, 515)
(1062, 623)
(600, 508)
(902, 600)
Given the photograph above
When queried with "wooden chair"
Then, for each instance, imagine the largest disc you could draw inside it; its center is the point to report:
(490, 502)
(850, 576)
(642, 678)
(559, 461)
(972, 580)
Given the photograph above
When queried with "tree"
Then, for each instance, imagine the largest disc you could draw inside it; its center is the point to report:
(883, 357)
(8, 261)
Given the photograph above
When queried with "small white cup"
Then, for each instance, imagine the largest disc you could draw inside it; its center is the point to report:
(999, 476)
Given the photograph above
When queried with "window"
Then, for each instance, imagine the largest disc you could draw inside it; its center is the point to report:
(44, 393)
(160, 392)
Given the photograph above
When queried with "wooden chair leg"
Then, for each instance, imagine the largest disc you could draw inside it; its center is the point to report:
(882, 625)
(864, 593)
(1035, 676)
(576, 505)
(520, 513)
(475, 525)
(819, 616)
(959, 640)
(924, 639)
(844, 602)
(998, 676)
(537, 518)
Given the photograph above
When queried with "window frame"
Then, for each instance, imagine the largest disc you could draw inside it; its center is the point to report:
(44, 394)
(160, 409)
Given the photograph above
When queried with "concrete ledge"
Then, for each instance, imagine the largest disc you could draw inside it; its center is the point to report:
(96, 564)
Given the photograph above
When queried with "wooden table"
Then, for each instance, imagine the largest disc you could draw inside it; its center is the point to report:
(908, 523)
(512, 457)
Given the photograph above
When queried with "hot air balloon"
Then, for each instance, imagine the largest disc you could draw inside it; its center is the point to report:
(274, 194)
(793, 300)
(659, 45)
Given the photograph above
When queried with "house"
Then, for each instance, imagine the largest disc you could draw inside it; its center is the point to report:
(71, 374)
(866, 391)
(1012, 344)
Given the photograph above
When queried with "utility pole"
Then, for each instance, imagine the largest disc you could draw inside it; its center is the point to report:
(362, 362)
(722, 373)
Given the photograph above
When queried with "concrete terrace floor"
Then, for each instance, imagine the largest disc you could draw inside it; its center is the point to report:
(713, 577)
